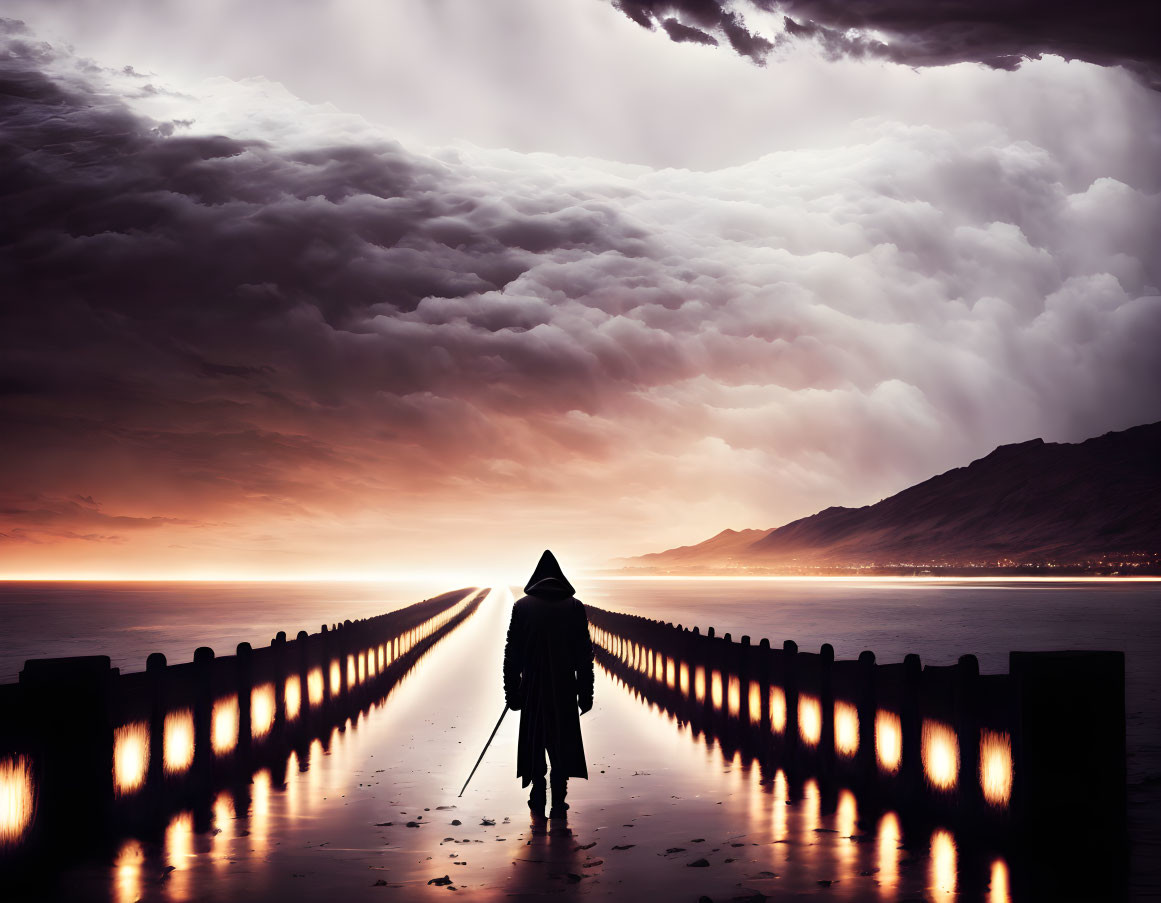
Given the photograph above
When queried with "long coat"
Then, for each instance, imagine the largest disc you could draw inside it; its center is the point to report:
(548, 673)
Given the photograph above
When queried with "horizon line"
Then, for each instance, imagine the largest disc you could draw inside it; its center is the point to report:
(399, 578)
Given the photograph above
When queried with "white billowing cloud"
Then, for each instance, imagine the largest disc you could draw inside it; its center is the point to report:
(629, 357)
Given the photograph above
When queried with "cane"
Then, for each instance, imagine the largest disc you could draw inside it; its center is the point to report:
(484, 750)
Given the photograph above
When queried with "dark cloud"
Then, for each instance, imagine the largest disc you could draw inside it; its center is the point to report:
(301, 323)
(997, 33)
(686, 34)
(692, 20)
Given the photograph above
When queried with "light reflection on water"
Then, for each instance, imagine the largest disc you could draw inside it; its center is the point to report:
(943, 858)
(293, 767)
(811, 806)
(130, 757)
(940, 754)
(17, 798)
(222, 835)
(890, 836)
(998, 886)
(127, 883)
(780, 824)
(260, 812)
(178, 851)
(846, 821)
(178, 733)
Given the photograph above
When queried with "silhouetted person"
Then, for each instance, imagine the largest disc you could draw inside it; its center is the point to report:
(548, 678)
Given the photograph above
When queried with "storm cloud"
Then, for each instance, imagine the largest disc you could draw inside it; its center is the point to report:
(997, 33)
(302, 325)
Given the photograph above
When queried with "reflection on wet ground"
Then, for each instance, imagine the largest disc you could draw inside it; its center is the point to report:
(370, 811)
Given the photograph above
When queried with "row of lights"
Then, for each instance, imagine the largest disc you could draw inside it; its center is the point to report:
(131, 741)
(939, 745)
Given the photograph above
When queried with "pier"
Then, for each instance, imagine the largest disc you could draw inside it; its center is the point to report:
(86, 751)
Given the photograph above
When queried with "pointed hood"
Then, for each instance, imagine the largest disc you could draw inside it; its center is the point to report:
(548, 579)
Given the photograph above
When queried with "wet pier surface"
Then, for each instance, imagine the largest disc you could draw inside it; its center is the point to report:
(371, 813)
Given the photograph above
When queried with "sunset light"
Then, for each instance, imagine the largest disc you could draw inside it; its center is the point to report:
(618, 449)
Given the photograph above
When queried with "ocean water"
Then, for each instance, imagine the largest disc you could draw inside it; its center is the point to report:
(128, 621)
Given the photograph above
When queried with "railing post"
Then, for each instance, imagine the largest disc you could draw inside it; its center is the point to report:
(203, 708)
(306, 716)
(790, 678)
(277, 736)
(155, 668)
(244, 682)
(968, 729)
(912, 724)
(867, 707)
(762, 676)
(826, 700)
(69, 705)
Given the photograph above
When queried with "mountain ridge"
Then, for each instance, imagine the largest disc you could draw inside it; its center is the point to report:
(1095, 503)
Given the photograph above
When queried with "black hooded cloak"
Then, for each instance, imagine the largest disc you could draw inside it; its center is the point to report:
(548, 673)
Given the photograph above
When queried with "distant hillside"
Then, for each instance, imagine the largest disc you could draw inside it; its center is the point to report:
(1025, 504)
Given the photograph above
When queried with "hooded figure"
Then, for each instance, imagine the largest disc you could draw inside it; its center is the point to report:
(548, 678)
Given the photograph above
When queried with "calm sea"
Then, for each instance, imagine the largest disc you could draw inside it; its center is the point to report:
(939, 620)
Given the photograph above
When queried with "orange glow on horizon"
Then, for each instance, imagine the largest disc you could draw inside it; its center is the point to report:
(472, 577)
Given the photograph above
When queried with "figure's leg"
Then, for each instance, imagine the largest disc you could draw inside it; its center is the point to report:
(559, 789)
(539, 795)
(559, 792)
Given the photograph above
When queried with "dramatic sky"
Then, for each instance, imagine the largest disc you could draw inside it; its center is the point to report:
(367, 288)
